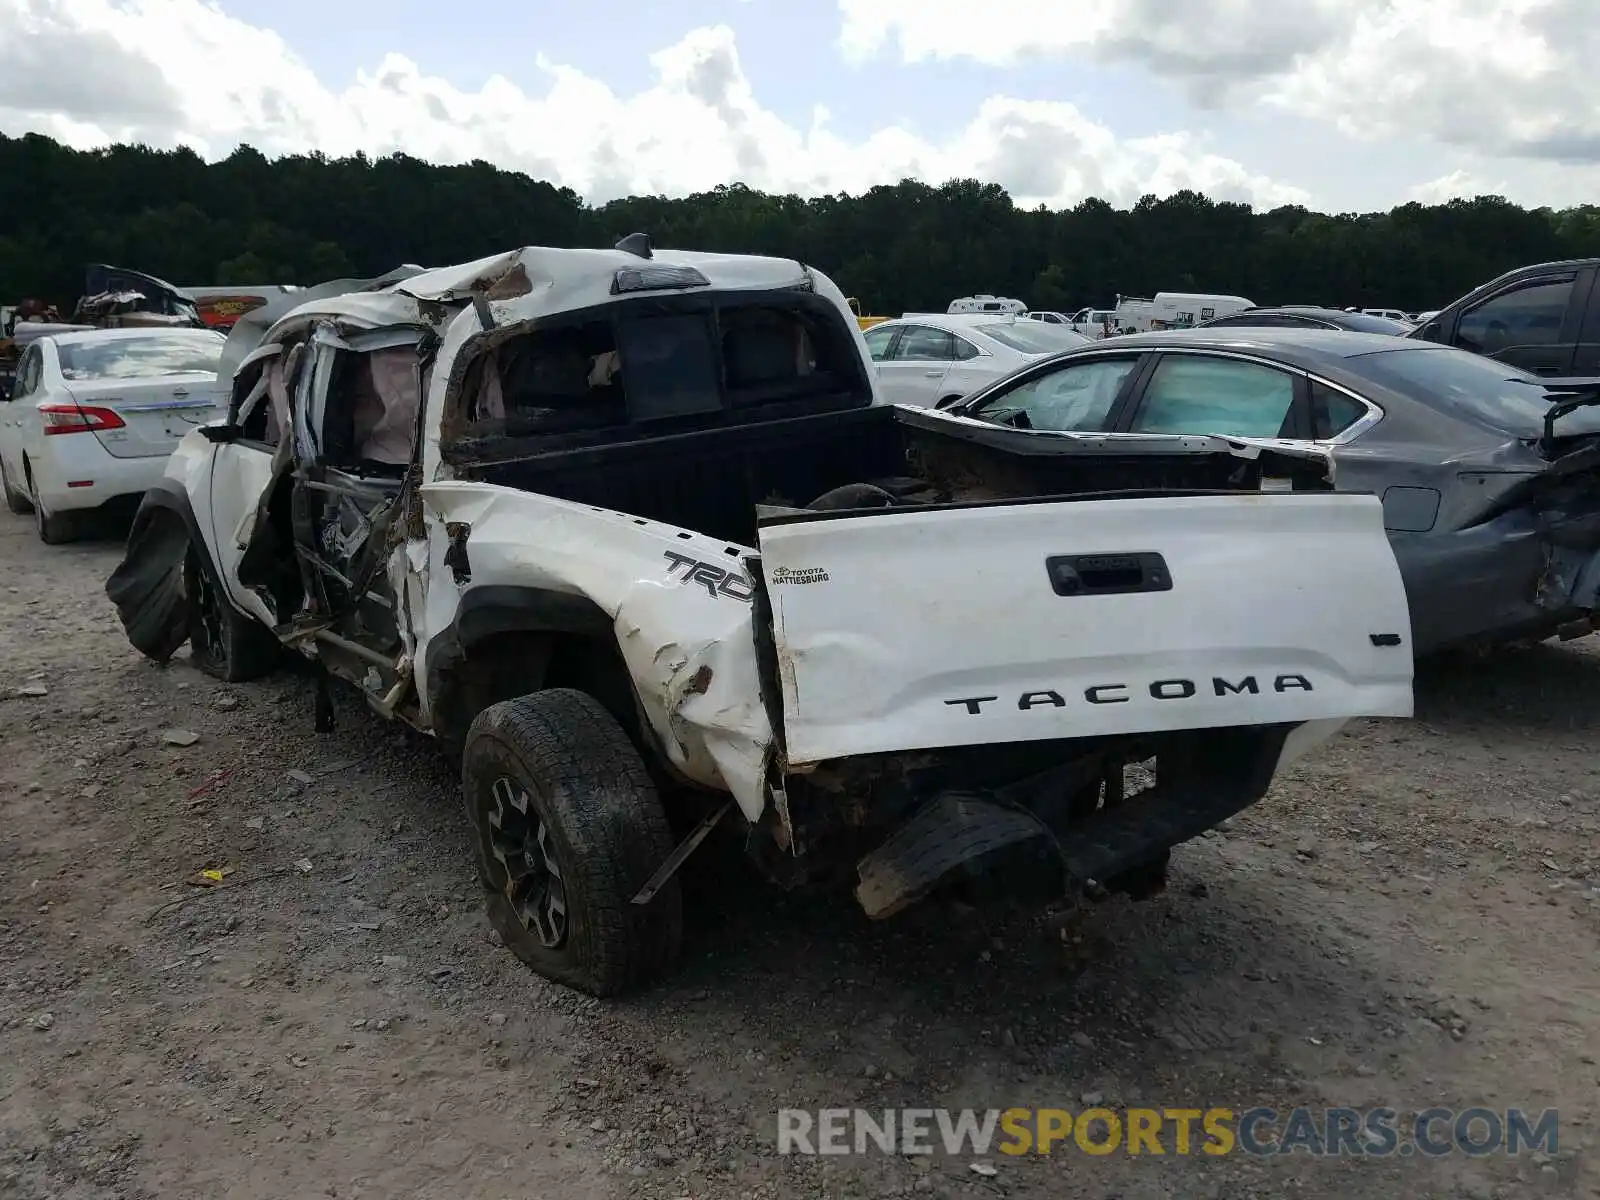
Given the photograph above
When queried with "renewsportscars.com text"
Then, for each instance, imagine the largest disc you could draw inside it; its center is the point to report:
(1319, 1132)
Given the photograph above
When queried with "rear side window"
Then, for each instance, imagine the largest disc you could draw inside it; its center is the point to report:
(922, 343)
(1527, 315)
(1332, 412)
(1224, 397)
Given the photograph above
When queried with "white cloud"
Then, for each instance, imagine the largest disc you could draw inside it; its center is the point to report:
(1457, 185)
(181, 72)
(1494, 77)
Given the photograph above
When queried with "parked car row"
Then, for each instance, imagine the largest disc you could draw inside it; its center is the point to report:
(1476, 427)
(928, 358)
(93, 415)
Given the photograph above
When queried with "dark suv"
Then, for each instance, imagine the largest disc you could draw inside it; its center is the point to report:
(1544, 318)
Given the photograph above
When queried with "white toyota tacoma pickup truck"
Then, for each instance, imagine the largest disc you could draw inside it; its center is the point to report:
(630, 532)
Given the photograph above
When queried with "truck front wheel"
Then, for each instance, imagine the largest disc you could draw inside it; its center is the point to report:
(223, 642)
(568, 829)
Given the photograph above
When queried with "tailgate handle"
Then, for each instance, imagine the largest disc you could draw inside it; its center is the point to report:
(1108, 574)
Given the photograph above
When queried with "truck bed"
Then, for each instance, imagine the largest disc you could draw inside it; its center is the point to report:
(712, 481)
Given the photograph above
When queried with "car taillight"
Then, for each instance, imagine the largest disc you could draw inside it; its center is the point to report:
(78, 418)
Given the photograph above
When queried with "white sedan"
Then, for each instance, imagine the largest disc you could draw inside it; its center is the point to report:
(926, 358)
(94, 415)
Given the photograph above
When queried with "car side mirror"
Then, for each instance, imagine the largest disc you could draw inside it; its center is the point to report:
(222, 435)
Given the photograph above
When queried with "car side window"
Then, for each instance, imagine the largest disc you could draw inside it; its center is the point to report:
(1528, 314)
(922, 344)
(964, 349)
(1332, 412)
(878, 340)
(1220, 396)
(1075, 398)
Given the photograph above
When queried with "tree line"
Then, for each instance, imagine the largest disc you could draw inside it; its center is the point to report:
(911, 246)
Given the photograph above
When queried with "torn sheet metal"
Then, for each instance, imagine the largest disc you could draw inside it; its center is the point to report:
(689, 649)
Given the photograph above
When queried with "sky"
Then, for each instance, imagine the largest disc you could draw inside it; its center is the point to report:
(1340, 105)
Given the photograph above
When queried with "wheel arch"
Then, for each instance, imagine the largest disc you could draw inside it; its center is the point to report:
(507, 640)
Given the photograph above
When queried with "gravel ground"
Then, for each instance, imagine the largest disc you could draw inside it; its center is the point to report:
(1411, 918)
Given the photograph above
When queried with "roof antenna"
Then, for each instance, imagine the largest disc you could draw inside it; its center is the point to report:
(637, 244)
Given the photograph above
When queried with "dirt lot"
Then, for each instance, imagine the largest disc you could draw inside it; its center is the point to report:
(1412, 918)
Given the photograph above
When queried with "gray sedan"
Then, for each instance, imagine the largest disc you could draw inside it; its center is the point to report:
(1489, 476)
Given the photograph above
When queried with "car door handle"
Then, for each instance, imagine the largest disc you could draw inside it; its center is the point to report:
(180, 393)
(933, 374)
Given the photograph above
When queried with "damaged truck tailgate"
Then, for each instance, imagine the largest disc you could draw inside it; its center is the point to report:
(906, 629)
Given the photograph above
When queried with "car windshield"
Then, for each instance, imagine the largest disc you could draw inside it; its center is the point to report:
(1506, 397)
(1033, 337)
(174, 352)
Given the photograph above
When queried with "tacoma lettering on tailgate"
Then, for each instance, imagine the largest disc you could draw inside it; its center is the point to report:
(1161, 689)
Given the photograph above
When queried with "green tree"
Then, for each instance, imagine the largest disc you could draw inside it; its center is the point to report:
(248, 219)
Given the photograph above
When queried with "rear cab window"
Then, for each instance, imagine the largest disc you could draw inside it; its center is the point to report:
(922, 343)
(641, 367)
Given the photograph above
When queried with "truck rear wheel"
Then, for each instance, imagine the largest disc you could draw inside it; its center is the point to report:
(568, 829)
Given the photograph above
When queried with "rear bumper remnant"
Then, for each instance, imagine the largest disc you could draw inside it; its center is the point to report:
(1194, 793)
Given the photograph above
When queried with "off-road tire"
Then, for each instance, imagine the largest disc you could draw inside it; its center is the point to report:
(606, 829)
(16, 501)
(55, 529)
(223, 643)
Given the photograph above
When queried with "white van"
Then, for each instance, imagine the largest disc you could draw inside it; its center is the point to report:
(985, 303)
